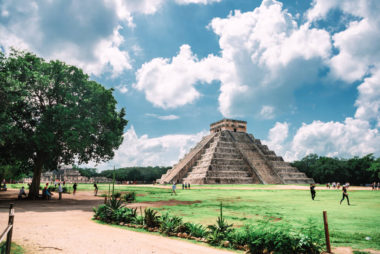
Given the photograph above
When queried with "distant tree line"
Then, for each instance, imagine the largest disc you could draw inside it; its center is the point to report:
(141, 174)
(357, 170)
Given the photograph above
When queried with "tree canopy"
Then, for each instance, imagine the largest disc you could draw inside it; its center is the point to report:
(355, 170)
(51, 113)
(141, 174)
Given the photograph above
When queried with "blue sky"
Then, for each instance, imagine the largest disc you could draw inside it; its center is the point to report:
(305, 75)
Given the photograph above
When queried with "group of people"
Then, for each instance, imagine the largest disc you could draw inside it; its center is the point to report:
(375, 186)
(344, 191)
(46, 193)
(185, 186)
(336, 185)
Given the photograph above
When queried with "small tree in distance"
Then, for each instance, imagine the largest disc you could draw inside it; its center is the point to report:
(52, 114)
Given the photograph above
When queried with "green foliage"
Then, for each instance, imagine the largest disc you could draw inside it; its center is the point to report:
(51, 114)
(130, 196)
(355, 170)
(116, 195)
(170, 224)
(114, 203)
(196, 230)
(151, 218)
(145, 174)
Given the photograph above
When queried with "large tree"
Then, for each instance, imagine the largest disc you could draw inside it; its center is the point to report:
(52, 114)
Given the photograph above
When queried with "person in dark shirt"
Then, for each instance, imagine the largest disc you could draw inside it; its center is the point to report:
(312, 191)
(345, 195)
(96, 189)
(75, 188)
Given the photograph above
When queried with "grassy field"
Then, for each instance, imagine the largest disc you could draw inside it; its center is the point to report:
(357, 225)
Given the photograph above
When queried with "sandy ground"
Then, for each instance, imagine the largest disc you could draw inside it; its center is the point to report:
(65, 226)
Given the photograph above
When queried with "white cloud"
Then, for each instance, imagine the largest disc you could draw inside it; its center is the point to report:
(144, 151)
(122, 88)
(353, 137)
(267, 112)
(167, 117)
(262, 52)
(268, 49)
(82, 33)
(170, 83)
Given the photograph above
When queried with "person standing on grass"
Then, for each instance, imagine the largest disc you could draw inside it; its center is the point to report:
(96, 189)
(188, 186)
(345, 195)
(312, 191)
(74, 188)
(60, 190)
(173, 189)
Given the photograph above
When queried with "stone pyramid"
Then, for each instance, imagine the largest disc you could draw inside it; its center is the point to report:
(229, 155)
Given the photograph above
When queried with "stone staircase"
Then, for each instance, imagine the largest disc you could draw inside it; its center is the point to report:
(221, 163)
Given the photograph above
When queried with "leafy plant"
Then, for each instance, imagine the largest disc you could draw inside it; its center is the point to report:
(170, 224)
(114, 203)
(151, 218)
(116, 195)
(196, 230)
(139, 220)
(220, 230)
(129, 197)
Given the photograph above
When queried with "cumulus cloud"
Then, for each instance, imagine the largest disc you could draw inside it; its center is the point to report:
(170, 83)
(144, 151)
(353, 137)
(82, 33)
(262, 52)
(85, 33)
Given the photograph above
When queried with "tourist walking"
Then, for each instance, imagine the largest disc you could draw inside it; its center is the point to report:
(174, 186)
(74, 188)
(60, 190)
(96, 189)
(345, 195)
(312, 191)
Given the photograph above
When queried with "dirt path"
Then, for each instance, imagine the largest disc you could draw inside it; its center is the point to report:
(66, 227)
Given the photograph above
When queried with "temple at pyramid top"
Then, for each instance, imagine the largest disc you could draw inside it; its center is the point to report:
(230, 155)
(230, 125)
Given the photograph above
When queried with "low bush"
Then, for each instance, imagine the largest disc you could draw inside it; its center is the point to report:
(116, 195)
(265, 237)
(170, 224)
(130, 197)
(151, 218)
(196, 230)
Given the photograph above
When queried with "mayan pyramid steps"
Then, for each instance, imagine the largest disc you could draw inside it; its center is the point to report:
(229, 155)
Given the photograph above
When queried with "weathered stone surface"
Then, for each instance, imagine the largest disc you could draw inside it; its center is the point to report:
(232, 157)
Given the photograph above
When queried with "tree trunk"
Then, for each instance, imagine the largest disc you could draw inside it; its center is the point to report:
(34, 189)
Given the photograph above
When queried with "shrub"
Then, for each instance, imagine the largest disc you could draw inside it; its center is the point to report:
(196, 230)
(125, 214)
(116, 195)
(114, 203)
(220, 230)
(104, 213)
(151, 218)
(65, 190)
(170, 224)
(129, 197)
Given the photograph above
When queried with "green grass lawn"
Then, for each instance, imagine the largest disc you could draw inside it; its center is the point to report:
(349, 225)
